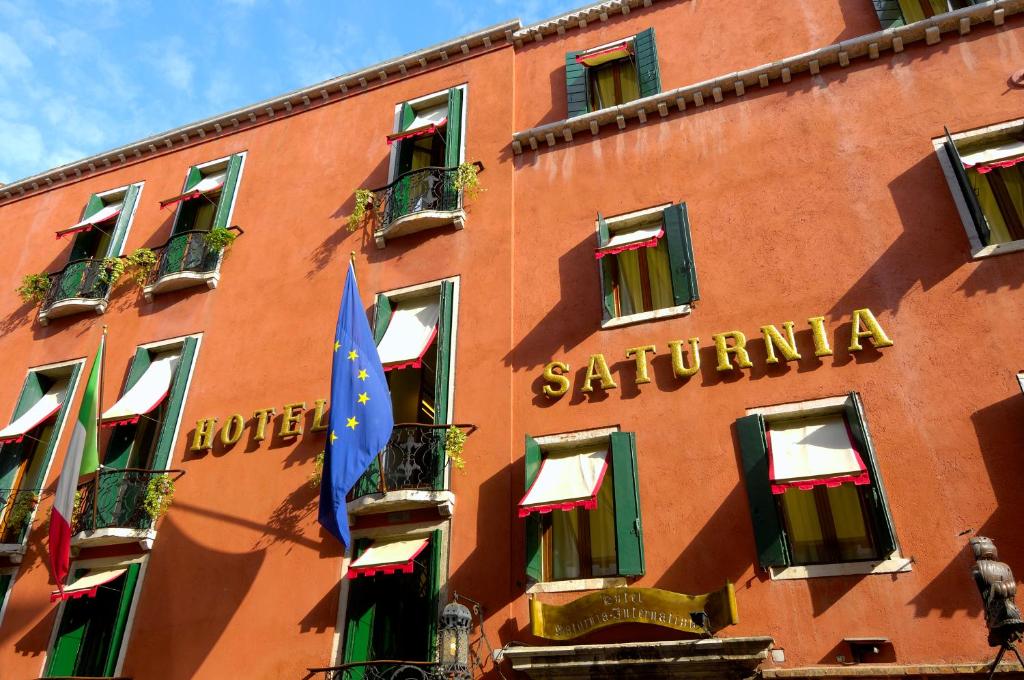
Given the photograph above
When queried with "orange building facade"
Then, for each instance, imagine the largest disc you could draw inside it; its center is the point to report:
(721, 297)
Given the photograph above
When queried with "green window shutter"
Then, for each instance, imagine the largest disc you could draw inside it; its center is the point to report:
(192, 178)
(84, 242)
(647, 63)
(406, 116)
(382, 317)
(575, 86)
(117, 239)
(534, 559)
(889, 13)
(175, 403)
(434, 567)
(885, 534)
(359, 613)
(444, 350)
(973, 207)
(131, 578)
(629, 535)
(768, 533)
(680, 254)
(453, 129)
(605, 269)
(72, 625)
(11, 454)
(227, 193)
(119, 448)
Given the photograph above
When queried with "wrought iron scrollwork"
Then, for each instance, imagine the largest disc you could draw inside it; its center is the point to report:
(412, 459)
(78, 279)
(185, 252)
(115, 499)
(377, 670)
(416, 191)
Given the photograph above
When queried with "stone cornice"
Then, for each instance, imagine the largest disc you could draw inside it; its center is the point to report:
(578, 18)
(715, 90)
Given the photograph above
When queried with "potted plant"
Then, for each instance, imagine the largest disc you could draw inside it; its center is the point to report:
(159, 494)
(33, 287)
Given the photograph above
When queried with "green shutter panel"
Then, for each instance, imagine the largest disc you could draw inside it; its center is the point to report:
(680, 254)
(119, 448)
(768, 533)
(85, 241)
(973, 207)
(453, 129)
(406, 116)
(382, 317)
(192, 178)
(889, 13)
(227, 192)
(117, 239)
(534, 559)
(131, 578)
(647, 63)
(885, 534)
(359, 615)
(435, 565)
(606, 271)
(575, 86)
(629, 535)
(11, 454)
(175, 403)
(64, 656)
(76, 372)
(443, 370)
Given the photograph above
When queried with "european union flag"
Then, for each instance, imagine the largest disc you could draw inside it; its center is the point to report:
(361, 420)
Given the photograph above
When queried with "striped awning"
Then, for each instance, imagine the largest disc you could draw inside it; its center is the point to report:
(566, 481)
(605, 53)
(387, 557)
(1002, 156)
(145, 395)
(89, 584)
(37, 414)
(631, 239)
(413, 326)
(810, 452)
(206, 185)
(104, 214)
(426, 122)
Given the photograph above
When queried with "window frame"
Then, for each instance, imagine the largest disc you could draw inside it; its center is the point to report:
(200, 167)
(11, 574)
(422, 102)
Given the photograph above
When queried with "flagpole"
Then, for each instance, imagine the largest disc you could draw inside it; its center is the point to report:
(352, 261)
(99, 418)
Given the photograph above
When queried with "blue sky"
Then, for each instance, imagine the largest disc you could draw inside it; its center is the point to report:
(78, 77)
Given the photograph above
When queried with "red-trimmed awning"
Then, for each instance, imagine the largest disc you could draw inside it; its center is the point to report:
(387, 557)
(107, 212)
(145, 395)
(605, 53)
(566, 481)
(37, 414)
(88, 584)
(1003, 156)
(426, 122)
(631, 239)
(205, 186)
(810, 452)
(413, 326)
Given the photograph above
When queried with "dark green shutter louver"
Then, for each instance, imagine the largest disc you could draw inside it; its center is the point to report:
(885, 535)
(973, 207)
(131, 578)
(443, 369)
(433, 577)
(575, 86)
(227, 192)
(175, 403)
(359, 613)
(768, 533)
(192, 178)
(85, 241)
(648, 72)
(120, 233)
(32, 390)
(453, 129)
(680, 254)
(629, 537)
(889, 13)
(382, 317)
(606, 270)
(534, 559)
(406, 116)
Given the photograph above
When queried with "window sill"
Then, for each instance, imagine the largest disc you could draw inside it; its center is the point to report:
(576, 585)
(419, 221)
(70, 306)
(179, 280)
(403, 500)
(895, 564)
(665, 313)
(997, 249)
(12, 551)
(114, 536)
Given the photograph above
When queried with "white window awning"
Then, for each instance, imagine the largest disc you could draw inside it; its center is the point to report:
(812, 452)
(602, 54)
(387, 557)
(412, 328)
(206, 185)
(89, 584)
(107, 212)
(37, 414)
(426, 122)
(145, 395)
(566, 481)
(1002, 156)
(631, 239)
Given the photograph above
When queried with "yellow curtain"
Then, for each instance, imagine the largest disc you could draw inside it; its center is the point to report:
(604, 87)
(565, 545)
(912, 10)
(206, 212)
(851, 532)
(602, 531)
(630, 81)
(989, 206)
(939, 6)
(1014, 182)
(661, 275)
(806, 540)
(631, 297)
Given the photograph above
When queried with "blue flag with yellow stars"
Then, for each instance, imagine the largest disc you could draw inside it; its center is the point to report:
(361, 418)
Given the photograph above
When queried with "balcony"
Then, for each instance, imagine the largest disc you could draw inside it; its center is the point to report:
(410, 473)
(417, 200)
(76, 288)
(16, 509)
(377, 670)
(111, 508)
(185, 261)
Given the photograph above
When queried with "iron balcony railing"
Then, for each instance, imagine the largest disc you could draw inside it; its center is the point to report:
(115, 499)
(16, 506)
(377, 670)
(414, 458)
(426, 189)
(186, 252)
(85, 677)
(78, 279)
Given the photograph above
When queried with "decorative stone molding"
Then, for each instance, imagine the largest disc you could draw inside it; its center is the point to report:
(878, 672)
(601, 11)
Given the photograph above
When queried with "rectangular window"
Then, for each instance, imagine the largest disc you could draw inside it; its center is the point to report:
(582, 507)
(27, 445)
(646, 262)
(812, 480)
(6, 585)
(892, 13)
(612, 74)
(92, 621)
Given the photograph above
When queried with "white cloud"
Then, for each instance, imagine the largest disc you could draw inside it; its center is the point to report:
(12, 59)
(169, 59)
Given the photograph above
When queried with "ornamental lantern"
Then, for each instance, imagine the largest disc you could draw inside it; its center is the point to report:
(453, 640)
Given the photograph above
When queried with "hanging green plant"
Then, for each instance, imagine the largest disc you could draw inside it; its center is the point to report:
(219, 238)
(318, 470)
(112, 269)
(466, 180)
(454, 442)
(364, 197)
(21, 510)
(76, 509)
(33, 287)
(140, 265)
(159, 494)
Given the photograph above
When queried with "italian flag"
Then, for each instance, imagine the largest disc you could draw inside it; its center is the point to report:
(82, 459)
